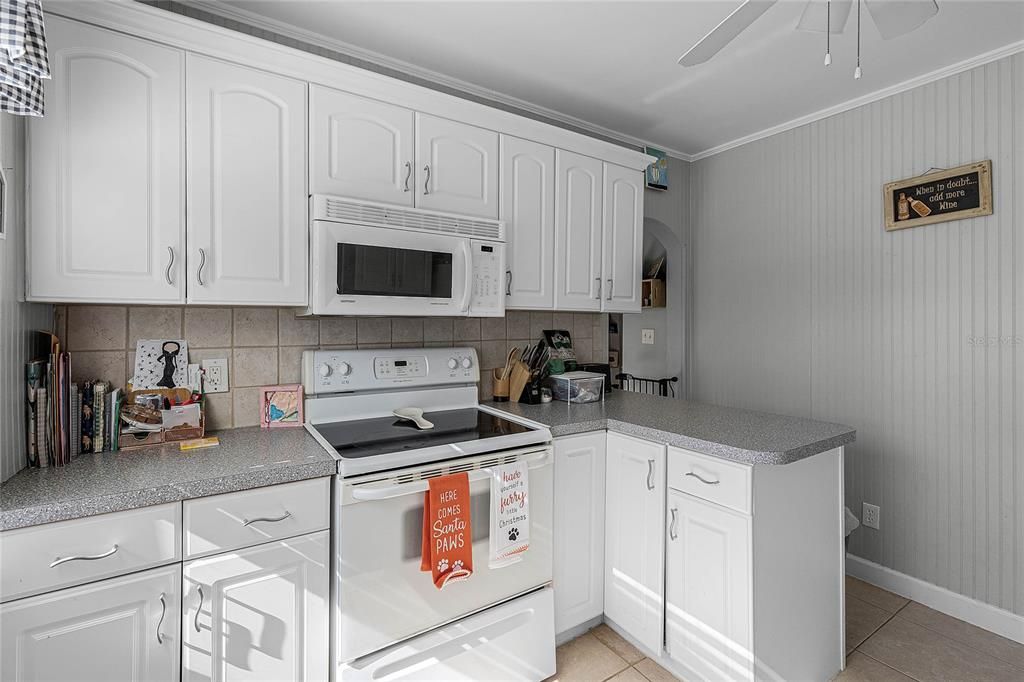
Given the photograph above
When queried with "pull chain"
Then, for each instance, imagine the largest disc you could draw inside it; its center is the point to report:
(856, 72)
(828, 32)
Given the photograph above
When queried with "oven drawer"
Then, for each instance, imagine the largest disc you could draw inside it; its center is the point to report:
(252, 517)
(57, 555)
(710, 478)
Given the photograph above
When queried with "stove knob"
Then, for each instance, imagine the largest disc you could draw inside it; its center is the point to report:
(344, 368)
(325, 370)
(466, 363)
(452, 363)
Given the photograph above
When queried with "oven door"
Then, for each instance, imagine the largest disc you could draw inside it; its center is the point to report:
(361, 270)
(381, 595)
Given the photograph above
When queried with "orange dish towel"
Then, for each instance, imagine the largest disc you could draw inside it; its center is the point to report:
(447, 533)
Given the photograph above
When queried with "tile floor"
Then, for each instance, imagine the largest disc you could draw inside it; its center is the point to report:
(888, 639)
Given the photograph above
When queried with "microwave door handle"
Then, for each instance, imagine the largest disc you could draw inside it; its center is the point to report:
(401, 489)
(467, 293)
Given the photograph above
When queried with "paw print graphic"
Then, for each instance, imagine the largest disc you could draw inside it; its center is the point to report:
(457, 566)
(442, 565)
(513, 534)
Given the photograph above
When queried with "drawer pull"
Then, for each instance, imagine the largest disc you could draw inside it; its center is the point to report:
(265, 519)
(650, 474)
(159, 624)
(672, 534)
(58, 561)
(199, 608)
(702, 479)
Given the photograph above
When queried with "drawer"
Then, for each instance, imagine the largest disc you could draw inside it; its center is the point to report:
(710, 478)
(235, 520)
(56, 555)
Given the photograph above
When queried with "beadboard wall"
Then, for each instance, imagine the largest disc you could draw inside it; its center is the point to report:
(17, 319)
(804, 305)
(263, 346)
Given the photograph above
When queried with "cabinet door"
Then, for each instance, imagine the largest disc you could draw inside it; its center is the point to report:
(106, 178)
(360, 147)
(579, 529)
(456, 167)
(707, 584)
(259, 613)
(623, 237)
(117, 629)
(634, 537)
(577, 232)
(247, 186)
(528, 209)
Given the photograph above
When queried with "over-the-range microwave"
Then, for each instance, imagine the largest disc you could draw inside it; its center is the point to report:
(368, 258)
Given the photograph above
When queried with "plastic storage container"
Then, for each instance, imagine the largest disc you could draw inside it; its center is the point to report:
(577, 387)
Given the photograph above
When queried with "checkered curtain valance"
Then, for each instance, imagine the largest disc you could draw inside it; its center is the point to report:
(23, 60)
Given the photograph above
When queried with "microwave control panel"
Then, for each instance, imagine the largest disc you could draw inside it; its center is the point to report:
(488, 295)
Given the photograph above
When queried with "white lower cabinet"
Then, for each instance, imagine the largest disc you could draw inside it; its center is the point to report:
(579, 529)
(259, 613)
(122, 629)
(634, 540)
(707, 588)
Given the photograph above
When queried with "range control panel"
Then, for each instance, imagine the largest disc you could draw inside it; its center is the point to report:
(338, 371)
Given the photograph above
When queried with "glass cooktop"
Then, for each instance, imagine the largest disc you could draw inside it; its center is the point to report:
(383, 435)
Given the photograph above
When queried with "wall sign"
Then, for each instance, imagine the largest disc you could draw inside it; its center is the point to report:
(954, 194)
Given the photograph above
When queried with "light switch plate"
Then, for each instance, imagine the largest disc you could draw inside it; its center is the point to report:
(647, 336)
(215, 375)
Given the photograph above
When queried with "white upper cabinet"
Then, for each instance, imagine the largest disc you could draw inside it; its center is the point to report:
(456, 167)
(577, 232)
(623, 238)
(259, 613)
(123, 628)
(106, 183)
(246, 185)
(634, 537)
(528, 209)
(360, 148)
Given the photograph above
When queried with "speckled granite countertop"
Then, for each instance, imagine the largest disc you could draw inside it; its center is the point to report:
(113, 481)
(738, 435)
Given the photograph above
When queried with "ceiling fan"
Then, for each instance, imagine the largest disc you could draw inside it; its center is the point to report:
(892, 17)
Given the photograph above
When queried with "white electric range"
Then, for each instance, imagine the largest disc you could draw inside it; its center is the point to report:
(389, 620)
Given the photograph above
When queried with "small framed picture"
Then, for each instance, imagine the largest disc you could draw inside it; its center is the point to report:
(281, 406)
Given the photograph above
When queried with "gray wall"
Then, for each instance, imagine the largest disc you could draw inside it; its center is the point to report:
(17, 319)
(665, 227)
(805, 305)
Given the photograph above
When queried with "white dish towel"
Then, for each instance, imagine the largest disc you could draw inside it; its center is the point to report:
(510, 514)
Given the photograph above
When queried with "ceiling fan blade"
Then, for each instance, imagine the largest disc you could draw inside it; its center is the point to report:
(897, 17)
(817, 13)
(721, 35)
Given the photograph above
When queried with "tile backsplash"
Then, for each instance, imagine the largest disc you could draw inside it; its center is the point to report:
(263, 346)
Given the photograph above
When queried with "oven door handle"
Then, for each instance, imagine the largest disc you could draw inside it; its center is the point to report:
(388, 492)
(467, 252)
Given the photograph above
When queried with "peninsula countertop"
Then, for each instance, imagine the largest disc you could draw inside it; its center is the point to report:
(248, 457)
(738, 435)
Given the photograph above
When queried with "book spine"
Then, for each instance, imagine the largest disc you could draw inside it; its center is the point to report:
(98, 391)
(85, 429)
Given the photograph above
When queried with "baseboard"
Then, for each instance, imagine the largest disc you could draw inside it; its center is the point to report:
(986, 616)
(575, 631)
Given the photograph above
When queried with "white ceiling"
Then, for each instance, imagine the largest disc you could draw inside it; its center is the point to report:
(613, 64)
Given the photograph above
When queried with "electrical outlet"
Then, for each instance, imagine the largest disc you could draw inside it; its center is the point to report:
(647, 336)
(871, 515)
(215, 375)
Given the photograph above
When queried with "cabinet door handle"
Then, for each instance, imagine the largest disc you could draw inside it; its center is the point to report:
(408, 174)
(160, 623)
(508, 282)
(170, 264)
(426, 181)
(202, 264)
(609, 288)
(702, 479)
(267, 519)
(199, 608)
(650, 474)
(598, 280)
(92, 557)
(672, 534)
